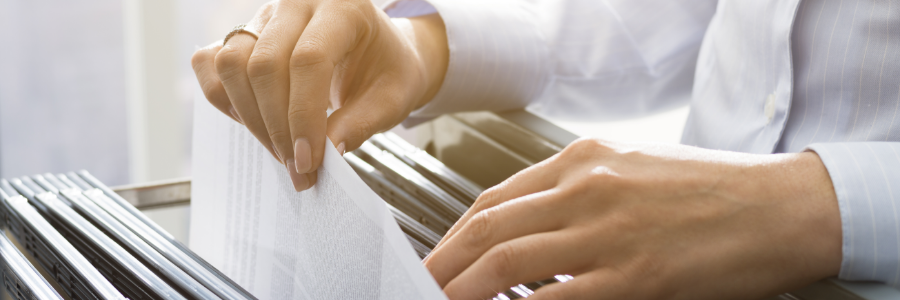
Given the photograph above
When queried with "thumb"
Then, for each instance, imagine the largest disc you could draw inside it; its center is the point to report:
(357, 121)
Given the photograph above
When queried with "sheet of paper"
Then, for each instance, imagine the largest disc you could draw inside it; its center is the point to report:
(336, 240)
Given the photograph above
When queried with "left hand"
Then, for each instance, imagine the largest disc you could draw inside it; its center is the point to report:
(314, 54)
(648, 221)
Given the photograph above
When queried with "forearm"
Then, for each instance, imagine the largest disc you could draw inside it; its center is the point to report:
(497, 57)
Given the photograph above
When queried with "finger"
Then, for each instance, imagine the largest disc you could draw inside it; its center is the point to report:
(300, 181)
(356, 121)
(203, 62)
(526, 259)
(231, 65)
(602, 284)
(539, 177)
(518, 218)
(327, 39)
(270, 79)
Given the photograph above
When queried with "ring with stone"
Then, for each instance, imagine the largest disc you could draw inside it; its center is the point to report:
(241, 28)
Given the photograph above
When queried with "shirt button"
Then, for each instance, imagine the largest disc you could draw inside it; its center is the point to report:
(770, 107)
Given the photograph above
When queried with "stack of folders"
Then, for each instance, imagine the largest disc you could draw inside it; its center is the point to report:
(425, 196)
(89, 243)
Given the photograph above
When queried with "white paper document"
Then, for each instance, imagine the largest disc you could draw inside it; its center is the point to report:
(336, 240)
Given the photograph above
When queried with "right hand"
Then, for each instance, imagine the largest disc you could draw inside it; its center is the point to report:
(315, 54)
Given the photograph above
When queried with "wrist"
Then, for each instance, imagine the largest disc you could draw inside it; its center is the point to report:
(824, 212)
(799, 187)
(429, 39)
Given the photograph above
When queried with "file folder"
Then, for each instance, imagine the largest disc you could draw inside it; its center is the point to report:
(124, 271)
(143, 256)
(83, 178)
(398, 197)
(20, 279)
(447, 179)
(74, 273)
(212, 279)
(410, 180)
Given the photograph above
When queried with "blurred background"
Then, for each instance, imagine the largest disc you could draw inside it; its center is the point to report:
(107, 86)
(104, 85)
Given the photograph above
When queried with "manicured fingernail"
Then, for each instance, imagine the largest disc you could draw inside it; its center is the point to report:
(340, 148)
(235, 115)
(302, 155)
(277, 155)
(301, 181)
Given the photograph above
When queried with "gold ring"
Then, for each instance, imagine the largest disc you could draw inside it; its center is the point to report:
(239, 29)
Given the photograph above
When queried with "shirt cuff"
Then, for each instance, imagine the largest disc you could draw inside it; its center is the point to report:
(865, 176)
(498, 58)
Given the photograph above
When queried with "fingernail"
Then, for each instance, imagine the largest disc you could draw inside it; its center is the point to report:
(235, 115)
(340, 148)
(301, 181)
(302, 155)
(277, 155)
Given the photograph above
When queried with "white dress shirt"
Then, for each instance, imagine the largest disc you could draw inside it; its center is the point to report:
(761, 76)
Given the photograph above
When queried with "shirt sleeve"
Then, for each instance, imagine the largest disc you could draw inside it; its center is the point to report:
(572, 58)
(865, 175)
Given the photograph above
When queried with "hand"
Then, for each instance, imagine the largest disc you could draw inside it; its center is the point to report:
(314, 54)
(648, 221)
